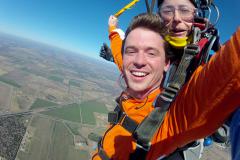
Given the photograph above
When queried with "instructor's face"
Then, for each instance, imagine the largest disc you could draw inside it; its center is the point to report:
(178, 16)
(143, 61)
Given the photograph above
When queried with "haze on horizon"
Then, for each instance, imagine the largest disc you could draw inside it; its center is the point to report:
(81, 26)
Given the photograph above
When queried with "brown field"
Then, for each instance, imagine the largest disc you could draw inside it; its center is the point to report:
(5, 96)
(2, 72)
(214, 152)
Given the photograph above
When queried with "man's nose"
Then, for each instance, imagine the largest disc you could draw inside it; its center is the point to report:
(140, 60)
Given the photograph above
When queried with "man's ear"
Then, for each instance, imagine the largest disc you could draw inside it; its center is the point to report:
(167, 65)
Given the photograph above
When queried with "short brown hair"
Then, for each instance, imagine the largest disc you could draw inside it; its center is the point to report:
(149, 21)
(152, 22)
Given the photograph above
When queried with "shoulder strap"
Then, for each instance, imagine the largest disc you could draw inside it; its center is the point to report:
(213, 43)
(118, 116)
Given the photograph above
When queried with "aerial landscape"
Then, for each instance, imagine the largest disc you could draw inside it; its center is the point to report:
(54, 103)
(51, 101)
(56, 87)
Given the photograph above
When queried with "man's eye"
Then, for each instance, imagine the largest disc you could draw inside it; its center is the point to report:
(130, 51)
(151, 54)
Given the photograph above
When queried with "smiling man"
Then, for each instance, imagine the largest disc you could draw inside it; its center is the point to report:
(144, 62)
(189, 117)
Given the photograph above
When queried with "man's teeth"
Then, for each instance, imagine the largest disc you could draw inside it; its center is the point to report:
(140, 74)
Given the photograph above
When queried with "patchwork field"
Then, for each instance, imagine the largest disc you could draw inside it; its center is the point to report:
(9, 81)
(41, 141)
(88, 108)
(2, 72)
(70, 112)
(5, 96)
(52, 140)
(82, 113)
(41, 103)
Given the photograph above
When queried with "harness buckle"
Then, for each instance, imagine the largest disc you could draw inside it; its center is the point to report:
(196, 34)
(144, 147)
(170, 92)
(192, 49)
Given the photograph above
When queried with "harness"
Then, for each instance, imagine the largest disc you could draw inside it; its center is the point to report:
(194, 54)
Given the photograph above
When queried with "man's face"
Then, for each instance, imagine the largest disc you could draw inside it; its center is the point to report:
(178, 16)
(143, 61)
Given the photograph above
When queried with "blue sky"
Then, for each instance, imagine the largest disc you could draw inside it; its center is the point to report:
(81, 26)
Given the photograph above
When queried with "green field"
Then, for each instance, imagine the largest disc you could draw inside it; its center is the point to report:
(9, 81)
(70, 112)
(94, 137)
(74, 82)
(61, 140)
(63, 145)
(76, 112)
(87, 109)
(35, 72)
(58, 72)
(56, 78)
(41, 141)
(52, 141)
(74, 128)
(41, 103)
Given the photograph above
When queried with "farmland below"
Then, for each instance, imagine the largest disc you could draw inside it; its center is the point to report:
(51, 100)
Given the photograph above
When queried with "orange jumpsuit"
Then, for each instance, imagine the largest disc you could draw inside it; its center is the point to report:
(205, 101)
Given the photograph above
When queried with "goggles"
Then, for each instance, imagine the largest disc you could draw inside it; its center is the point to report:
(186, 13)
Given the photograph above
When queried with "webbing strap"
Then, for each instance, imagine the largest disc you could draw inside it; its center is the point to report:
(151, 123)
(145, 131)
(189, 52)
(129, 124)
(169, 74)
(208, 47)
(117, 116)
(150, 10)
(147, 6)
(152, 5)
(102, 154)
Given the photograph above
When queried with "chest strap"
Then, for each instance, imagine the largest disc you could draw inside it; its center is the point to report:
(146, 129)
(119, 117)
(102, 154)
